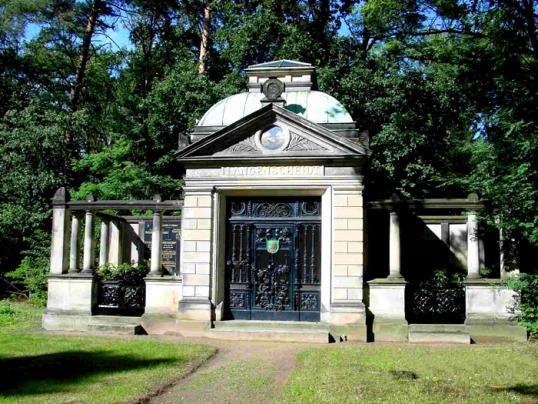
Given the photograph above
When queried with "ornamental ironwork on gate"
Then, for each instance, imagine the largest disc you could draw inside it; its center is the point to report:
(429, 302)
(273, 259)
(119, 298)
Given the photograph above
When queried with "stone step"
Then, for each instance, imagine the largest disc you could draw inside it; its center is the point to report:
(272, 325)
(116, 324)
(445, 333)
(282, 331)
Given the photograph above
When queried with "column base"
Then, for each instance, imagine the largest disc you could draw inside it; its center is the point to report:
(65, 321)
(71, 293)
(490, 311)
(345, 313)
(386, 303)
(386, 297)
(163, 293)
(489, 329)
(195, 309)
(159, 324)
(390, 329)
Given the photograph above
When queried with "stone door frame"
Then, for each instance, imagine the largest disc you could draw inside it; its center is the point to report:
(220, 196)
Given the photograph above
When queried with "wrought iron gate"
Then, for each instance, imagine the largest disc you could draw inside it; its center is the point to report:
(429, 302)
(273, 259)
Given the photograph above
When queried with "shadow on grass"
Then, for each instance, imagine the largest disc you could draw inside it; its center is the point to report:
(525, 389)
(54, 372)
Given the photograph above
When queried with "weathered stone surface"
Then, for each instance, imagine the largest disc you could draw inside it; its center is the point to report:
(162, 295)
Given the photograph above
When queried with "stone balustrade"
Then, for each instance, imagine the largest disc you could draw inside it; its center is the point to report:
(75, 255)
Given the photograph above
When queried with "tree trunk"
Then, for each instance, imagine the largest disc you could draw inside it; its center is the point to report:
(76, 88)
(204, 42)
(528, 12)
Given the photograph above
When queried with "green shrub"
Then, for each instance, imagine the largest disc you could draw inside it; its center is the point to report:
(526, 300)
(125, 273)
(445, 278)
(31, 275)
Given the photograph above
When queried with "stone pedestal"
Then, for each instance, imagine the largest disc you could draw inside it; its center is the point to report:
(387, 306)
(195, 309)
(70, 302)
(489, 310)
(162, 296)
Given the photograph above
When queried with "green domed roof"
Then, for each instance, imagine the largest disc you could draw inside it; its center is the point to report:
(315, 106)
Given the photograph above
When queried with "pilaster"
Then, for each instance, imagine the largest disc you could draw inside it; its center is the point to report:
(196, 255)
(347, 256)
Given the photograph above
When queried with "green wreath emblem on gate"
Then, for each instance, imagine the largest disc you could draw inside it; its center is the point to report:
(272, 246)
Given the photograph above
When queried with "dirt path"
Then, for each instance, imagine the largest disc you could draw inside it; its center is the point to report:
(241, 372)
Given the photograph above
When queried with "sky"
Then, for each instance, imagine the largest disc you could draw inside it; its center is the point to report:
(116, 38)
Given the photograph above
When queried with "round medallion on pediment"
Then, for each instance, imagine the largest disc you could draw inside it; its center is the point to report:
(273, 139)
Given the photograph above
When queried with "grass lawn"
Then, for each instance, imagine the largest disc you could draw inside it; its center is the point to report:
(50, 368)
(397, 374)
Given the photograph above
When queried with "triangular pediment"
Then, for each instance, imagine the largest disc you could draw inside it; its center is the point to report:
(251, 138)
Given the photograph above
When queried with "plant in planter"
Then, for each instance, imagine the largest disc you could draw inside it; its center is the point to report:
(121, 289)
(128, 274)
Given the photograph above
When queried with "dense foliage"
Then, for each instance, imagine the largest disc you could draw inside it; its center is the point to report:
(526, 300)
(447, 90)
(124, 273)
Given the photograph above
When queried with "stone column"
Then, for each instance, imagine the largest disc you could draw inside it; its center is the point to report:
(136, 236)
(74, 245)
(115, 248)
(61, 216)
(103, 243)
(386, 297)
(89, 244)
(473, 247)
(394, 246)
(156, 244)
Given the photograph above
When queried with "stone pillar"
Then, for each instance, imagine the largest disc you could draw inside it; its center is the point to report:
(473, 247)
(394, 246)
(137, 245)
(156, 244)
(74, 245)
(346, 305)
(61, 217)
(70, 297)
(386, 296)
(196, 255)
(88, 259)
(115, 250)
(103, 243)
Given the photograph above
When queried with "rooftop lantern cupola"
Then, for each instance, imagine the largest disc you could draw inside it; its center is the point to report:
(288, 84)
(296, 76)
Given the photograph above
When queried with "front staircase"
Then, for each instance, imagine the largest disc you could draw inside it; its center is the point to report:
(282, 331)
(445, 333)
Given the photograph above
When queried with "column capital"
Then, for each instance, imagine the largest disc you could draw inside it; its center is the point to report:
(61, 197)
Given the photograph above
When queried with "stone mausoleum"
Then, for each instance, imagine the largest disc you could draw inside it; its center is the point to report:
(275, 238)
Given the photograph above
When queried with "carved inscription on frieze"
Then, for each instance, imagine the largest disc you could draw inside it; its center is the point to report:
(273, 171)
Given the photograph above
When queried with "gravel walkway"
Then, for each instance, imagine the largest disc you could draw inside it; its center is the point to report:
(240, 372)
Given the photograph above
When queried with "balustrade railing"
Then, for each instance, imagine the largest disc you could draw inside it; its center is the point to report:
(120, 241)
